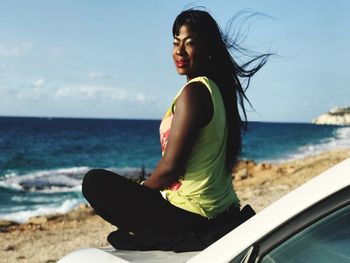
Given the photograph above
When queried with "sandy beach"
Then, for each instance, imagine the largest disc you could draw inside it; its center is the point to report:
(48, 238)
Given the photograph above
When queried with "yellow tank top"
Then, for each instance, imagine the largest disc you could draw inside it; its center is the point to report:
(206, 187)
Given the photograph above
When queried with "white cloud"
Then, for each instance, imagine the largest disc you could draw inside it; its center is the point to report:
(30, 94)
(91, 92)
(56, 52)
(14, 50)
(74, 100)
(2, 70)
(140, 97)
(39, 82)
(96, 75)
(80, 93)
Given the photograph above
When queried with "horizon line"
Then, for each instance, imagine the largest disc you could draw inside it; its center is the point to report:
(126, 118)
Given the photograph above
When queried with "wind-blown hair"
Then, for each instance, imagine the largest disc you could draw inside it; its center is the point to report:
(225, 72)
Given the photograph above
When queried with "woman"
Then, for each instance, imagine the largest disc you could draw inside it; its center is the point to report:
(190, 192)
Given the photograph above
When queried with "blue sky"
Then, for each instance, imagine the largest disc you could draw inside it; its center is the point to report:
(112, 59)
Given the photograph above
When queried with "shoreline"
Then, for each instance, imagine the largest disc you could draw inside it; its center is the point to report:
(48, 238)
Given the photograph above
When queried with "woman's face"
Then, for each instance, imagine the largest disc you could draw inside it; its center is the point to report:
(189, 53)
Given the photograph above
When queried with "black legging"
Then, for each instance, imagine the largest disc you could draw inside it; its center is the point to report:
(136, 208)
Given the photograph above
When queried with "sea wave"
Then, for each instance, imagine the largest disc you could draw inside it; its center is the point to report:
(23, 216)
(343, 137)
(46, 181)
(340, 140)
(57, 180)
(48, 191)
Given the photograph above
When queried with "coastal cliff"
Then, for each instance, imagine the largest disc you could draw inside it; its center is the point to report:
(336, 116)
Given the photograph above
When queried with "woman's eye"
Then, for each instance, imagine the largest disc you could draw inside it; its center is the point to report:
(175, 44)
(190, 43)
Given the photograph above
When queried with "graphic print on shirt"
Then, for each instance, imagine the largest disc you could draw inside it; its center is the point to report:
(164, 131)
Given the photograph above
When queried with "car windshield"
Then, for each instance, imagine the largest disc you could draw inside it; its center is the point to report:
(327, 240)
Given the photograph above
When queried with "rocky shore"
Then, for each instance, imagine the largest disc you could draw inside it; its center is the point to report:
(46, 239)
(336, 116)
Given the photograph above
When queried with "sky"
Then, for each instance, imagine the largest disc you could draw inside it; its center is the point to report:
(112, 59)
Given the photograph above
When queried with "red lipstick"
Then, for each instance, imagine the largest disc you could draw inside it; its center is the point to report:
(181, 63)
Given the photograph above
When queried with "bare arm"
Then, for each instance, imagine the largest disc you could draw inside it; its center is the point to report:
(194, 110)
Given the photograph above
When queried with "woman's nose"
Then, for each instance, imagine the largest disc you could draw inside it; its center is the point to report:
(180, 50)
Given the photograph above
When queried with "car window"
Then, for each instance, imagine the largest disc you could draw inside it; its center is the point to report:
(327, 240)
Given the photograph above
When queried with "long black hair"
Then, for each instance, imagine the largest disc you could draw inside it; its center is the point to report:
(225, 72)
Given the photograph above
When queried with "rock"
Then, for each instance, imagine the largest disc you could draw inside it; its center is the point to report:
(250, 164)
(263, 166)
(242, 174)
(7, 223)
(336, 116)
(10, 248)
(37, 220)
(241, 164)
(279, 170)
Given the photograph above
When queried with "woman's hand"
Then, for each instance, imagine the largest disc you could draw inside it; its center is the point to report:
(194, 110)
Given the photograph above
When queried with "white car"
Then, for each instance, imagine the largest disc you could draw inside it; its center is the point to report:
(310, 224)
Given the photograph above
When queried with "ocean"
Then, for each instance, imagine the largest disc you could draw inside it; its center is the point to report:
(43, 160)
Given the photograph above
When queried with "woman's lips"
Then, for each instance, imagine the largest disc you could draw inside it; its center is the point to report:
(181, 63)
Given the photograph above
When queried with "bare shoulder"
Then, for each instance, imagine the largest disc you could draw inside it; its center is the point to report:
(196, 100)
(196, 92)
